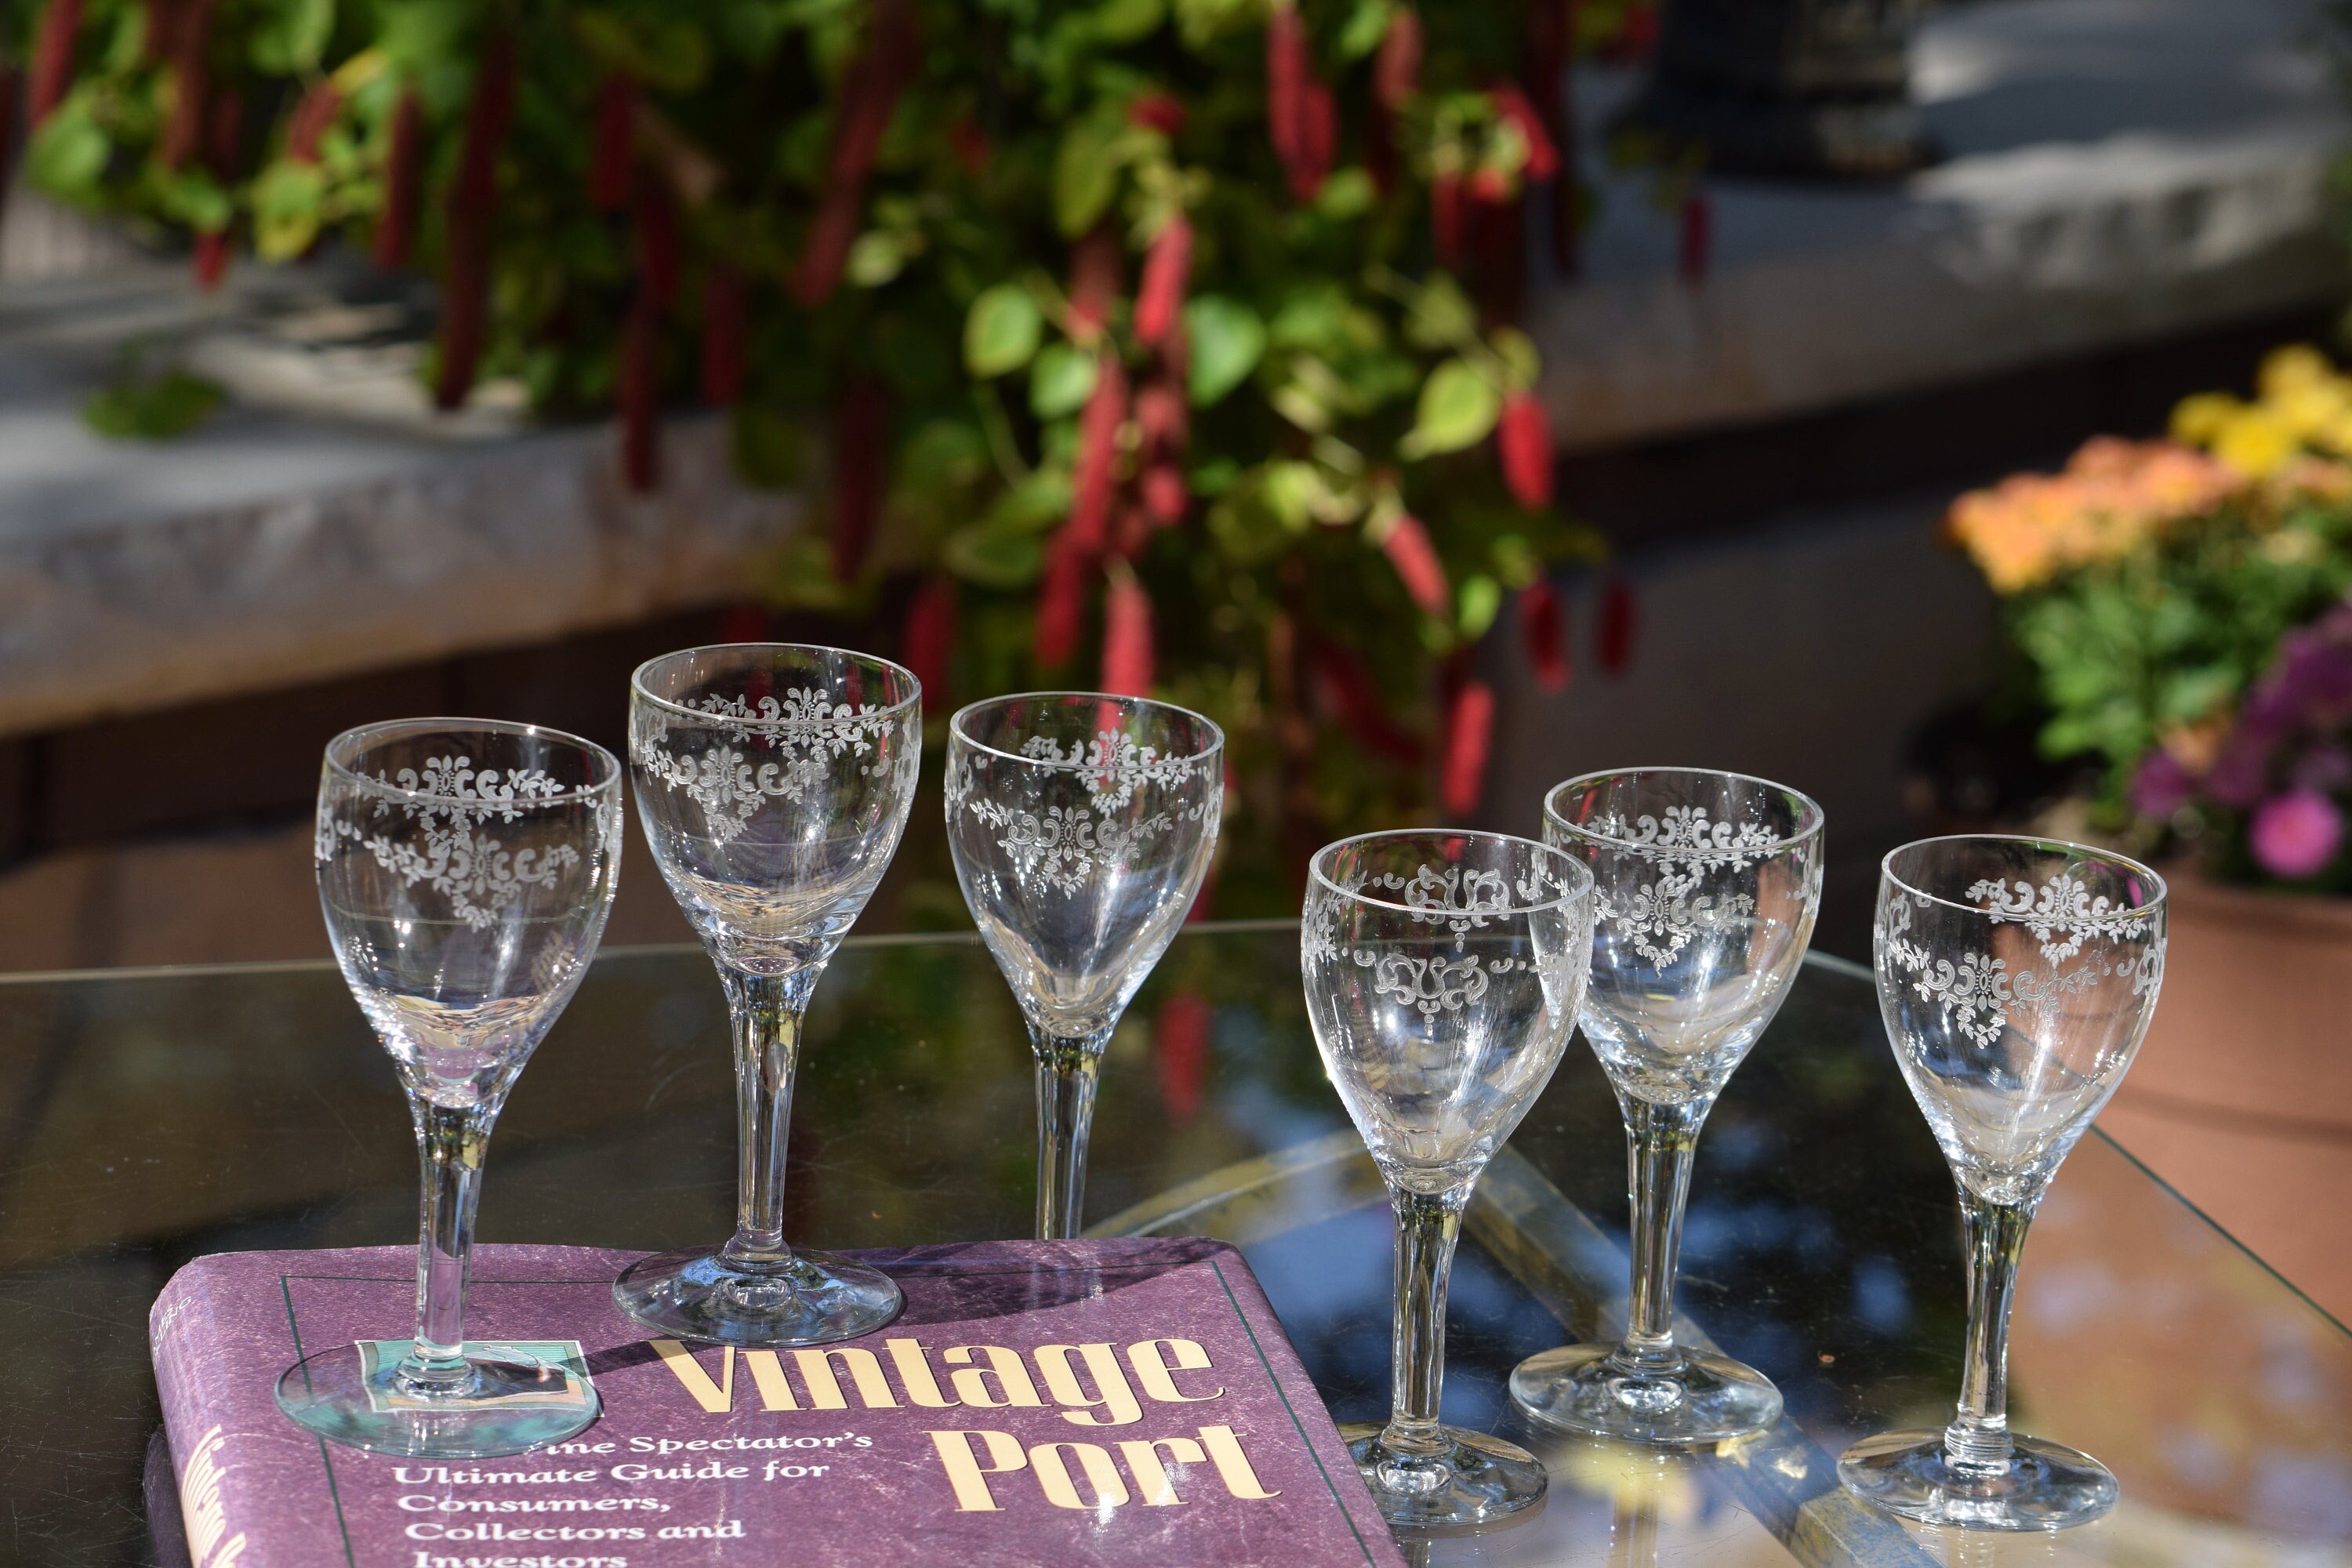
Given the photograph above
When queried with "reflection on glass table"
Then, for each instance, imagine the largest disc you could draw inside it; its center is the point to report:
(147, 1117)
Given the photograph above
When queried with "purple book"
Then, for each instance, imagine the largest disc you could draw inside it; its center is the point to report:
(1038, 1402)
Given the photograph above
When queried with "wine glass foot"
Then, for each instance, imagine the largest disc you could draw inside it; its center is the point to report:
(2045, 1485)
(1475, 1480)
(807, 1299)
(1704, 1399)
(508, 1403)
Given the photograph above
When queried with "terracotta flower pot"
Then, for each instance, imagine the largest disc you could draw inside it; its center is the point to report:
(2241, 1098)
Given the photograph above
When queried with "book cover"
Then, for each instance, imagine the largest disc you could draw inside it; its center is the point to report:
(1037, 1403)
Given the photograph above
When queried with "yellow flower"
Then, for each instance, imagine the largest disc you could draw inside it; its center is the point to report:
(2196, 419)
(2309, 410)
(2254, 442)
(2295, 364)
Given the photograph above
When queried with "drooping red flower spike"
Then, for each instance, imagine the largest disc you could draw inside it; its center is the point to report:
(1167, 271)
(861, 453)
(869, 96)
(1543, 628)
(1179, 1043)
(1512, 105)
(53, 59)
(1469, 731)
(312, 116)
(611, 154)
(472, 207)
(1061, 602)
(1614, 637)
(927, 645)
(1158, 112)
(1698, 237)
(403, 184)
(1096, 473)
(1406, 544)
(724, 331)
(638, 393)
(1127, 652)
(1522, 439)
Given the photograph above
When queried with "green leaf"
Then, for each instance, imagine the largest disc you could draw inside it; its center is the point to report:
(670, 56)
(69, 152)
(1366, 25)
(1034, 505)
(1061, 381)
(1440, 315)
(1127, 21)
(1001, 331)
(133, 410)
(770, 450)
(875, 257)
(286, 204)
(1263, 511)
(1087, 161)
(1521, 363)
(1458, 406)
(288, 38)
(1227, 340)
(993, 558)
(943, 457)
(1348, 193)
(1481, 599)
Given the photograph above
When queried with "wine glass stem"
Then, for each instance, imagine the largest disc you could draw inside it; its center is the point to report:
(1660, 1142)
(1427, 1229)
(1994, 1235)
(1067, 1070)
(450, 1143)
(765, 1012)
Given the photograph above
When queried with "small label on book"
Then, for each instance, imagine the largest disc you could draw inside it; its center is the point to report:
(519, 1372)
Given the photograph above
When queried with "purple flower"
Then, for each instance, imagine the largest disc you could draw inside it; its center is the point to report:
(2162, 785)
(2296, 834)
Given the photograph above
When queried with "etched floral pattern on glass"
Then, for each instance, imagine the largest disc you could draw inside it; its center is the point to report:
(1706, 885)
(2017, 977)
(773, 781)
(466, 869)
(1082, 827)
(1444, 972)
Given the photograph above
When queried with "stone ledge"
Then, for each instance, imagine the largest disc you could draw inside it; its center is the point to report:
(2118, 170)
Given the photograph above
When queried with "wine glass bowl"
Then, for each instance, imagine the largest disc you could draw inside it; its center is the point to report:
(1706, 889)
(1081, 827)
(1442, 974)
(2017, 977)
(773, 781)
(466, 869)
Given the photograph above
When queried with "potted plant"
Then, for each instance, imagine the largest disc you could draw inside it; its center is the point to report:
(2183, 607)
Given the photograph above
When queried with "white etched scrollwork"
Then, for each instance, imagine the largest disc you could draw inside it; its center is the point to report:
(806, 733)
(453, 803)
(1064, 847)
(1684, 835)
(1977, 992)
(2061, 913)
(1433, 985)
(1459, 898)
(1974, 993)
(1662, 917)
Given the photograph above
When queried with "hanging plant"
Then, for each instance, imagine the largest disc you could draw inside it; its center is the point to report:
(1162, 343)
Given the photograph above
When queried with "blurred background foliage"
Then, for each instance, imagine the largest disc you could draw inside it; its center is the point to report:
(1152, 345)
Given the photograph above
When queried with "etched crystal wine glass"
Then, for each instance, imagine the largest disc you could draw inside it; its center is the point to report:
(1081, 826)
(773, 781)
(466, 867)
(1443, 972)
(1707, 885)
(2017, 977)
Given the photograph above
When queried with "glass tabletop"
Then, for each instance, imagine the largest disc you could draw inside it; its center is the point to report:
(146, 1118)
